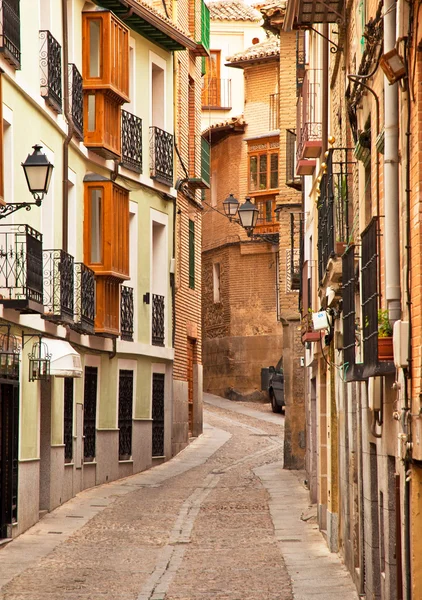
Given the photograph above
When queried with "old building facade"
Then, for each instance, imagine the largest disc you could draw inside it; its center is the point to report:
(88, 307)
(358, 151)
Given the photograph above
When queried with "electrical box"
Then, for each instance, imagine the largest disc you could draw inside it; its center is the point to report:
(401, 344)
(374, 393)
(320, 320)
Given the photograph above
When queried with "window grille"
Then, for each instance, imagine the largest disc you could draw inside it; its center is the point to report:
(90, 412)
(369, 271)
(125, 413)
(191, 254)
(158, 384)
(68, 419)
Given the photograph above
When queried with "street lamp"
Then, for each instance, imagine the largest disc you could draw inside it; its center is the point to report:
(38, 170)
(231, 206)
(248, 215)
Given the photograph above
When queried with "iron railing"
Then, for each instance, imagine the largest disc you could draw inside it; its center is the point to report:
(300, 60)
(125, 413)
(10, 32)
(309, 125)
(292, 180)
(333, 206)
(161, 156)
(296, 242)
(58, 275)
(90, 413)
(131, 141)
(157, 320)
(126, 313)
(68, 419)
(21, 268)
(84, 299)
(369, 270)
(217, 93)
(349, 285)
(76, 100)
(51, 70)
(158, 387)
(274, 112)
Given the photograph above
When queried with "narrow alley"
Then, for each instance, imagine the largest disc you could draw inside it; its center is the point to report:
(221, 520)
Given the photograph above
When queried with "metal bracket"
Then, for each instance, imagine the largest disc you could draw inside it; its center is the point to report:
(334, 47)
(8, 209)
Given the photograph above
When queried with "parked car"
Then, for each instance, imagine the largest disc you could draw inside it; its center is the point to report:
(276, 387)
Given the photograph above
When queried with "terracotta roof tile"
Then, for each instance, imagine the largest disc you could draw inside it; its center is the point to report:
(232, 10)
(269, 47)
(163, 17)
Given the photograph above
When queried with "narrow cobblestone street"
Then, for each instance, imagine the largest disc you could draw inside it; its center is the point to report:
(213, 523)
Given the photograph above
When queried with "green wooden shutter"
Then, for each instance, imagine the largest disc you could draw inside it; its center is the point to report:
(191, 254)
(205, 26)
(205, 161)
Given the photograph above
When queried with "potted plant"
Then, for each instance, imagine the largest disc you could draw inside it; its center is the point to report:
(385, 336)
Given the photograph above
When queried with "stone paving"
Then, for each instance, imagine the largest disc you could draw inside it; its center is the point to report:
(220, 521)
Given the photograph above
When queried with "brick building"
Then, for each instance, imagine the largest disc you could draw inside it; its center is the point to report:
(247, 290)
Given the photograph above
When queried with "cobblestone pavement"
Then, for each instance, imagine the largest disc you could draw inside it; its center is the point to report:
(202, 526)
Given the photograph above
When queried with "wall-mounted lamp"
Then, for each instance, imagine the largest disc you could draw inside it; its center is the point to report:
(393, 66)
(38, 170)
(245, 214)
(39, 361)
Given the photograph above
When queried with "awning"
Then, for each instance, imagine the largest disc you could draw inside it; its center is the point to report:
(65, 361)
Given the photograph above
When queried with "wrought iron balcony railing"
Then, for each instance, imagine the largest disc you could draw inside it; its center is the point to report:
(58, 273)
(274, 112)
(131, 141)
(76, 100)
(51, 70)
(296, 251)
(333, 206)
(10, 32)
(369, 270)
(157, 320)
(217, 93)
(161, 156)
(300, 60)
(84, 299)
(21, 268)
(126, 313)
(292, 180)
(309, 119)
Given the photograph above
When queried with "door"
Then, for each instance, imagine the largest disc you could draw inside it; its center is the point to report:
(9, 435)
(190, 363)
(211, 94)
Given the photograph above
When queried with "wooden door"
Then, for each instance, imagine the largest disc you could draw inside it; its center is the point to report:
(190, 363)
(211, 93)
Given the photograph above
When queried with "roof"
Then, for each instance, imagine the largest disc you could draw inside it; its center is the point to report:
(232, 10)
(273, 14)
(268, 49)
(217, 131)
(150, 23)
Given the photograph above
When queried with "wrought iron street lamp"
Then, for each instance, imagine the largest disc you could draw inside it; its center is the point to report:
(246, 214)
(38, 171)
(231, 207)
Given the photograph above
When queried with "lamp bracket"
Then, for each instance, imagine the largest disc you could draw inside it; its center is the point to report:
(270, 238)
(334, 47)
(8, 209)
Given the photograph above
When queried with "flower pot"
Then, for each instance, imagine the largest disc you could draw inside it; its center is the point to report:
(385, 348)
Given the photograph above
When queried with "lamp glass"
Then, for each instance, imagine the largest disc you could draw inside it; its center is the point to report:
(38, 171)
(231, 206)
(248, 214)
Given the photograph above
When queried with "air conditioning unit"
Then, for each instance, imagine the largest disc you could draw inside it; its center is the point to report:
(374, 393)
(401, 344)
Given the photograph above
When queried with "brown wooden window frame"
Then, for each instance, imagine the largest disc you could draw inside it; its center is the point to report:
(262, 152)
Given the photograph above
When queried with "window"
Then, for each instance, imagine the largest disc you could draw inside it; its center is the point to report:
(90, 412)
(95, 47)
(216, 282)
(158, 96)
(263, 166)
(191, 254)
(267, 210)
(125, 413)
(68, 419)
(96, 226)
(211, 92)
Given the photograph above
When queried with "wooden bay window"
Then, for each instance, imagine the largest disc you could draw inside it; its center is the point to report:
(263, 165)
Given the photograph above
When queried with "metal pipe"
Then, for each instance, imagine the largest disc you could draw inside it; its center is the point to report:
(325, 88)
(70, 130)
(391, 178)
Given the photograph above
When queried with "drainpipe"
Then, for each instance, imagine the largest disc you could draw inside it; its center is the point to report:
(70, 128)
(391, 180)
(325, 88)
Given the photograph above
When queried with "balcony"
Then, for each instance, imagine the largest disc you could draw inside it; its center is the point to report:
(292, 179)
(131, 142)
(126, 313)
(102, 124)
(333, 211)
(10, 32)
(274, 123)
(51, 70)
(295, 255)
(315, 11)
(301, 60)
(309, 122)
(76, 100)
(21, 268)
(161, 156)
(157, 320)
(84, 303)
(216, 94)
(350, 284)
(268, 217)
(58, 275)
